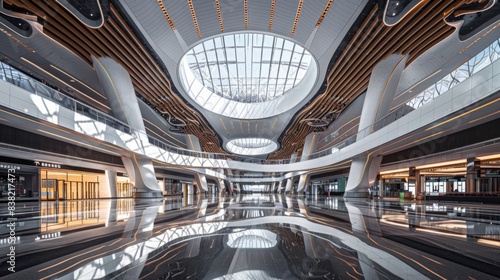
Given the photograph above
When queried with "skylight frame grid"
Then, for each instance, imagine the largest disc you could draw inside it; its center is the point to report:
(252, 82)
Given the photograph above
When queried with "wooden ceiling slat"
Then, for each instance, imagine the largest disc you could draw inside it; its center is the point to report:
(412, 36)
(348, 77)
(115, 39)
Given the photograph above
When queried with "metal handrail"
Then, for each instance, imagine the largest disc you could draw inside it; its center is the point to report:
(46, 92)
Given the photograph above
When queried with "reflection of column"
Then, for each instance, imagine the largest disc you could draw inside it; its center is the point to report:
(111, 180)
(222, 186)
(140, 223)
(289, 185)
(112, 214)
(303, 182)
(193, 143)
(202, 207)
(139, 227)
(368, 267)
(289, 203)
(289, 182)
(363, 219)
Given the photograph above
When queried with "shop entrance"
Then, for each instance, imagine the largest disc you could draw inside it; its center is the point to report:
(124, 189)
(69, 185)
(49, 189)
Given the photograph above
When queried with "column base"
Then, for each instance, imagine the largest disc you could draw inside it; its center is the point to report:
(356, 195)
(151, 194)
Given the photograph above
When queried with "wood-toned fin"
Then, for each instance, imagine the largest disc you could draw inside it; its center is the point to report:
(117, 40)
(349, 76)
(224, 126)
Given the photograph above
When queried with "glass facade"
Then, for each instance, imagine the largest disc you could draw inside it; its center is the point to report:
(468, 69)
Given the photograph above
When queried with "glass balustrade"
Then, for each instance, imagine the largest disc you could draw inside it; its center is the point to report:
(18, 78)
(467, 70)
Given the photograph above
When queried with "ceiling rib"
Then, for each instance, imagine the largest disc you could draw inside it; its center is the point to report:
(116, 40)
(350, 75)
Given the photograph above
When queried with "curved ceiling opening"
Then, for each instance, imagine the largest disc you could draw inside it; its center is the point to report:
(251, 146)
(247, 75)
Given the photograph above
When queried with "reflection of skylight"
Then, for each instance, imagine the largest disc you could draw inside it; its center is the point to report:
(248, 67)
(251, 146)
(252, 238)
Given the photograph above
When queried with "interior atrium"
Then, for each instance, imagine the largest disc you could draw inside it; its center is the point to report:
(237, 139)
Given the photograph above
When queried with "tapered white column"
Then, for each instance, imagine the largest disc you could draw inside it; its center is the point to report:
(120, 92)
(309, 148)
(379, 95)
(193, 143)
(289, 182)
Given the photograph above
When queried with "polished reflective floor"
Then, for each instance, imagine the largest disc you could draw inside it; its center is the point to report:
(260, 236)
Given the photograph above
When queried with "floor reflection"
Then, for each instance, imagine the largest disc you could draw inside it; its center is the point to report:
(263, 236)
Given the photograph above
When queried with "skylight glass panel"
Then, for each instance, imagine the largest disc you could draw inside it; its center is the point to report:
(248, 68)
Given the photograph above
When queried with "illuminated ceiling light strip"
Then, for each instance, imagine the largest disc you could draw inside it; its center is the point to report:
(275, 121)
(393, 171)
(245, 9)
(17, 33)
(163, 131)
(297, 15)
(413, 87)
(464, 114)
(162, 138)
(195, 20)
(323, 14)
(480, 38)
(232, 125)
(43, 70)
(80, 20)
(219, 14)
(224, 125)
(75, 79)
(165, 13)
(271, 16)
(484, 117)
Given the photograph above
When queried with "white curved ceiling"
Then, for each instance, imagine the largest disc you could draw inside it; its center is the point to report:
(188, 28)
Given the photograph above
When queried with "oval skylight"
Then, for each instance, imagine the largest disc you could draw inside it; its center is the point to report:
(249, 67)
(245, 75)
(251, 146)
